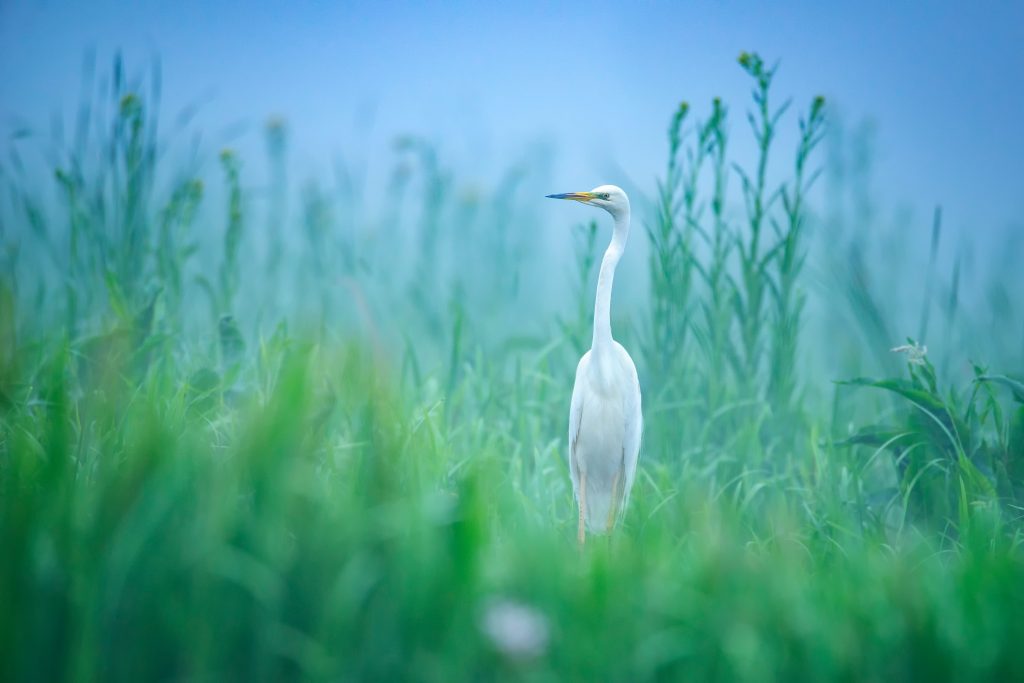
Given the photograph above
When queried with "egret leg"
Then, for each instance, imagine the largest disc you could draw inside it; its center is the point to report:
(613, 508)
(581, 532)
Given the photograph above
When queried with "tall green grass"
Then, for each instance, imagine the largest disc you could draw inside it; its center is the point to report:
(280, 456)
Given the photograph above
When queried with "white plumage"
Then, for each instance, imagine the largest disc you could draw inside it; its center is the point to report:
(605, 418)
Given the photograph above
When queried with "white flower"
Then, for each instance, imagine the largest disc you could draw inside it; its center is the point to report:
(517, 630)
(915, 352)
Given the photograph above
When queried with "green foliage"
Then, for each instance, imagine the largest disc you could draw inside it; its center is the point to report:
(354, 468)
(954, 453)
(719, 284)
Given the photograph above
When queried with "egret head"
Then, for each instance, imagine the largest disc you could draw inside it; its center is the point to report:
(611, 198)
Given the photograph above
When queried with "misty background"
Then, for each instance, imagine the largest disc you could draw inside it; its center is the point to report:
(517, 102)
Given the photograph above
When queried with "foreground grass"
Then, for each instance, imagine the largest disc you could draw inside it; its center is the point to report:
(159, 535)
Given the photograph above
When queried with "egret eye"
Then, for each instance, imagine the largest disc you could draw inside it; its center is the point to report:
(605, 195)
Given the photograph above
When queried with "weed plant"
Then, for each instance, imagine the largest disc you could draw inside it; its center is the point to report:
(286, 459)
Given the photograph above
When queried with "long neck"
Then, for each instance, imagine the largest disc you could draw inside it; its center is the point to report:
(602, 343)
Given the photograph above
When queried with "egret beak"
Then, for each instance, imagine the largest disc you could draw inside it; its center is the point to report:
(575, 196)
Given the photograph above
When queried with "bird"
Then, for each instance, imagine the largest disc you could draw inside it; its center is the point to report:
(605, 415)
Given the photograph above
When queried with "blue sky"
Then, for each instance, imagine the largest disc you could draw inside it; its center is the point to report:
(594, 82)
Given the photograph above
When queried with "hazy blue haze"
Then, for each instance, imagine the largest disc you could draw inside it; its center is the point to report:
(593, 82)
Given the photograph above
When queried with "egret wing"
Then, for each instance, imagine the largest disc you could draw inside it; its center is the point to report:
(575, 419)
(634, 429)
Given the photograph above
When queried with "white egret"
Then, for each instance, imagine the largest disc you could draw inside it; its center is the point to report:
(605, 419)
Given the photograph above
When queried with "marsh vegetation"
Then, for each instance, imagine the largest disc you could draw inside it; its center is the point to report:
(257, 434)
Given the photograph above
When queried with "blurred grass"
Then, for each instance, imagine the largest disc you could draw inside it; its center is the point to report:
(263, 458)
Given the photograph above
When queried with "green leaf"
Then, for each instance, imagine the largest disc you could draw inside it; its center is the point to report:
(1016, 387)
(875, 436)
(902, 387)
(979, 483)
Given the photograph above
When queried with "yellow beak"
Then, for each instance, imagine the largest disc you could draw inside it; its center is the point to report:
(576, 196)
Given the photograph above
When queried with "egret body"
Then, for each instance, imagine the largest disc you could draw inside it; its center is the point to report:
(605, 419)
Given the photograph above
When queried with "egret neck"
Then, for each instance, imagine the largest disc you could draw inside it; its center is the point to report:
(602, 350)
